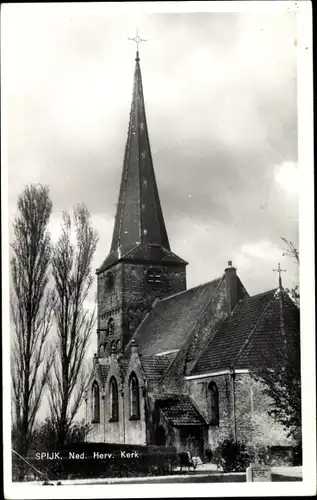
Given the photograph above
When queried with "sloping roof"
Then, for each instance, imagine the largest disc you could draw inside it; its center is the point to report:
(139, 217)
(155, 366)
(179, 409)
(223, 349)
(153, 252)
(171, 320)
(268, 334)
(205, 328)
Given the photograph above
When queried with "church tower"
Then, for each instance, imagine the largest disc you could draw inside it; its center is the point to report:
(140, 266)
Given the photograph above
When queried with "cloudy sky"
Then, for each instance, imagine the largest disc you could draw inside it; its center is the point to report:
(220, 92)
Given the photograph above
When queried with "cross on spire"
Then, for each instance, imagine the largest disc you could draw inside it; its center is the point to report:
(279, 271)
(139, 232)
(137, 40)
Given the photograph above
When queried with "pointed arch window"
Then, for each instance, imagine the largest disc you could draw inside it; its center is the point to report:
(95, 399)
(114, 400)
(134, 397)
(213, 397)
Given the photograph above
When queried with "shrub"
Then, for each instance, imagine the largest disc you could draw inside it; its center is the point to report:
(208, 454)
(259, 454)
(281, 455)
(275, 455)
(232, 456)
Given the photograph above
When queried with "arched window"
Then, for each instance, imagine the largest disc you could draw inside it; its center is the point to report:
(154, 275)
(134, 397)
(113, 346)
(213, 403)
(110, 326)
(95, 403)
(114, 400)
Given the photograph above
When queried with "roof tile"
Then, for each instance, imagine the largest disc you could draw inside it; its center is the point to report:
(171, 320)
(268, 333)
(179, 409)
(155, 366)
(224, 347)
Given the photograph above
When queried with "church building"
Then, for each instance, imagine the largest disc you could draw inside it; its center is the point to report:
(172, 364)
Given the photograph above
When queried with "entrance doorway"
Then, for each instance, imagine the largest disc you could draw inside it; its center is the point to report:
(160, 436)
(192, 440)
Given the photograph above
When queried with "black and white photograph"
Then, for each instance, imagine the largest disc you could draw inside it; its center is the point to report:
(157, 254)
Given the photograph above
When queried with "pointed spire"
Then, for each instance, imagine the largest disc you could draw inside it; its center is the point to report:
(139, 223)
(139, 216)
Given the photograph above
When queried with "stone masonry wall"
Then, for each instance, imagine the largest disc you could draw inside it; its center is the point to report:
(114, 431)
(96, 433)
(253, 424)
(138, 295)
(125, 297)
(125, 430)
(135, 430)
(198, 390)
(155, 420)
(109, 292)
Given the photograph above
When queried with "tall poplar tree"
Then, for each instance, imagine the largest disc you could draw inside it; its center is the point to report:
(71, 268)
(31, 311)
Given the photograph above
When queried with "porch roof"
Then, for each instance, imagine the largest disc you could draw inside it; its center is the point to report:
(179, 409)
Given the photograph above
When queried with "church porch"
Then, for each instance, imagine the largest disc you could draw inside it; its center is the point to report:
(177, 422)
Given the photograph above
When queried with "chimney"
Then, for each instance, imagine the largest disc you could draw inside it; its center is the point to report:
(231, 286)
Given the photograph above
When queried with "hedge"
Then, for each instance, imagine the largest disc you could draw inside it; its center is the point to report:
(136, 460)
(233, 456)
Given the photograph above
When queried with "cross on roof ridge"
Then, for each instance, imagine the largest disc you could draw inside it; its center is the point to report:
(279, 271)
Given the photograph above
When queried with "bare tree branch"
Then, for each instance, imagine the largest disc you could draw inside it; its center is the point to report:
(292, 251)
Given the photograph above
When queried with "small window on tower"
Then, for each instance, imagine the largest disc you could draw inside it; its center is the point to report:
(154, 275)
(110, 327)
